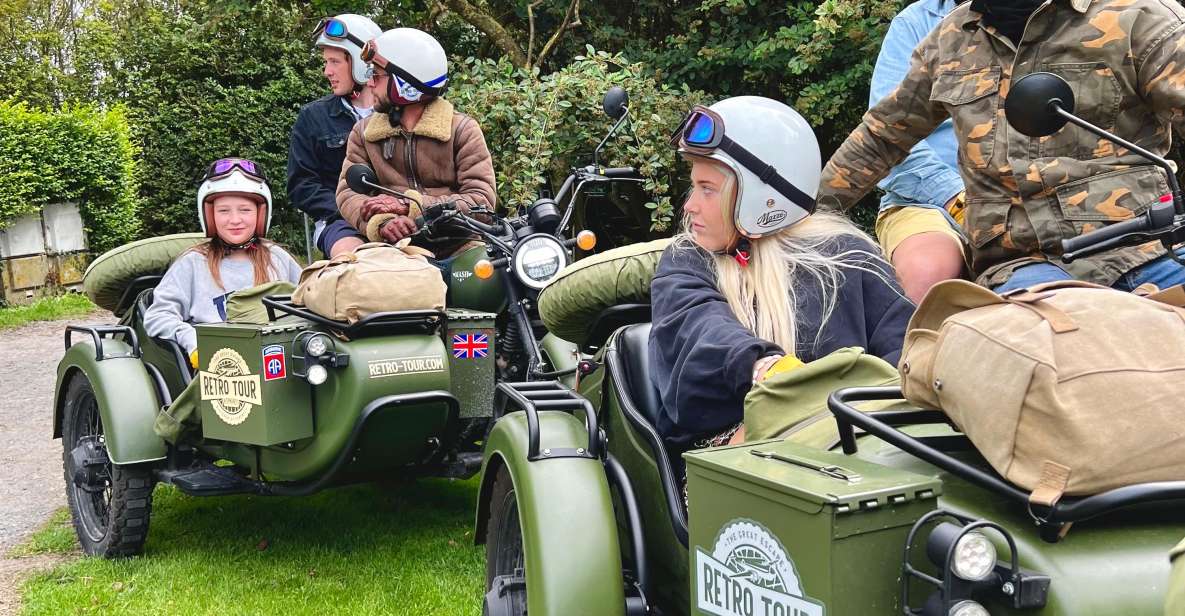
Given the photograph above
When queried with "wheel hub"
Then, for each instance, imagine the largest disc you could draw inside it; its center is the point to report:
(500, 600)
(91, 464)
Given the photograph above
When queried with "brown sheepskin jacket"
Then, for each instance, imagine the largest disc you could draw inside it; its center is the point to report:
(444, 157)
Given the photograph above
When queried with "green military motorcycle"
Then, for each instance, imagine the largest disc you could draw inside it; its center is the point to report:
(582, 512)
(301, 402)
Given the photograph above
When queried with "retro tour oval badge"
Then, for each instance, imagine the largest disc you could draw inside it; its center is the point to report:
(230, 387)
(749, 573)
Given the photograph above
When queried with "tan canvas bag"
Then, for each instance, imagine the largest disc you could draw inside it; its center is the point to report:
(374, 278)
(1065, 388)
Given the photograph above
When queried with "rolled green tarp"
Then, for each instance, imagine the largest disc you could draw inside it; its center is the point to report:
(109, 275)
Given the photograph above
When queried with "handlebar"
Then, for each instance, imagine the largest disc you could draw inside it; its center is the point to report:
(1142, 227)
(618, 172)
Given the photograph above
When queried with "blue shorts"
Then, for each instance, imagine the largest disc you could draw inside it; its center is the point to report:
(336, 229)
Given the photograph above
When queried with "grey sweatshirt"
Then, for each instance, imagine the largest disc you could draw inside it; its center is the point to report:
(188, 294)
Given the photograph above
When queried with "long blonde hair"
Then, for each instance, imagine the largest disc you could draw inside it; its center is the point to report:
(761, 295)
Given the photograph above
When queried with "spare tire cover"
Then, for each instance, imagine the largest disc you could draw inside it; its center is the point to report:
(109, 275)
(573, 299)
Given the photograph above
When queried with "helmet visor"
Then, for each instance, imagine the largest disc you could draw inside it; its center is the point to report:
(224, 166)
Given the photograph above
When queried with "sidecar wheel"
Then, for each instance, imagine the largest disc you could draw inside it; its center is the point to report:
(109, 504)
(506, 586)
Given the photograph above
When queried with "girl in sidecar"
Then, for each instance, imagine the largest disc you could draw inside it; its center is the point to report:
(234, 207)
(758, 280)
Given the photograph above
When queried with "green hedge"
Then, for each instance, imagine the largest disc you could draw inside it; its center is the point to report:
(79, 154)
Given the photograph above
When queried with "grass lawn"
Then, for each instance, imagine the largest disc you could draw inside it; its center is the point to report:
(46, 309)
(405, 549)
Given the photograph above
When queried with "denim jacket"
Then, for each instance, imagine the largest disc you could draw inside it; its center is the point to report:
(315, 155)
(930, 174)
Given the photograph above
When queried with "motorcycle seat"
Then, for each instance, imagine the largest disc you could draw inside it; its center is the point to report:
(633, 342)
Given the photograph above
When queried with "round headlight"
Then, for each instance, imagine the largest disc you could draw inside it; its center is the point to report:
(317, 345)
(968, 608)
(317, 374)
(974, 558)
(538, 259)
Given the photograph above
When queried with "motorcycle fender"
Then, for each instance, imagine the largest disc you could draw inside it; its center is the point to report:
(573, 559)
(562, 356)
(127, 400)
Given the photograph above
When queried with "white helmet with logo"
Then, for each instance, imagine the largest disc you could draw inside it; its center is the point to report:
(416, 61)
(234, 182)
(349, 33)
(771, 150)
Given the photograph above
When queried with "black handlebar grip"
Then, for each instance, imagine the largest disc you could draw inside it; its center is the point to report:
(617, 172)
(1139, 224)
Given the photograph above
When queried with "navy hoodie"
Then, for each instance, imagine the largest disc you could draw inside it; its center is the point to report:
(702, 357)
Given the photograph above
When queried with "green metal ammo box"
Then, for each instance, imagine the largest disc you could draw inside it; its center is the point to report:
(470, 339)
(780, 529)
(248, 392)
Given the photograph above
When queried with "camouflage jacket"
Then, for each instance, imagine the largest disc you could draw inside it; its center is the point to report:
(1124, 59)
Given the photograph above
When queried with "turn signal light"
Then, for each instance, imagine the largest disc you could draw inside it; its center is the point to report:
(586, 240)
(483, 269)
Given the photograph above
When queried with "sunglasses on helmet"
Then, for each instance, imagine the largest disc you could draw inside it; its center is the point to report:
(224, 166)
(702, 133)
(335, 28)
(370, 50)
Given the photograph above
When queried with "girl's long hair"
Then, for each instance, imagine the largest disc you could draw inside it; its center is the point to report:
(761, 295)
(260, 252)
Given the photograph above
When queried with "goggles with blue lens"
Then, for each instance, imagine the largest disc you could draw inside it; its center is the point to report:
(702, 133)
(335, 28)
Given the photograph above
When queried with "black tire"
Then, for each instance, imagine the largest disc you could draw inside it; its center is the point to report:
(504, 546)
(113, 522)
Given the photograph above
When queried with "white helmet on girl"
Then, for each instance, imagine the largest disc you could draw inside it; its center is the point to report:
(770, 149)
(416, 61)
(349, 32)
(234, 176)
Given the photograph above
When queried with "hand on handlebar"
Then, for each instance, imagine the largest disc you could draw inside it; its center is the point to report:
(397, 229)
(383, 204)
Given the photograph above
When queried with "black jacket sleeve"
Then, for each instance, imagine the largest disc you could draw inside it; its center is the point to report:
(701, 356)
(307, 191)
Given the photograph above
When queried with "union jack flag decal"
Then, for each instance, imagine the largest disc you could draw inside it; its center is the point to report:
(469, 346)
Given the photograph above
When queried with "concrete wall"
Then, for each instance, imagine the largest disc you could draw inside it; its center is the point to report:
(42, 254)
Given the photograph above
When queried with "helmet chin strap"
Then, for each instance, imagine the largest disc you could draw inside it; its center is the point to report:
(251, 243)
(742, 253)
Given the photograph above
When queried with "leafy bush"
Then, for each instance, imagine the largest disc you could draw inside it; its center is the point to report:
(537, 128)
(80, 154)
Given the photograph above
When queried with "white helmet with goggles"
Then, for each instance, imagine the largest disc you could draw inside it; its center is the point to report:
(772, 151)
(234, 176)
(415, 61)
(349, 33)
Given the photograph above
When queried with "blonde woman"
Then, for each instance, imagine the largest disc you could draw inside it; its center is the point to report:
(756, 274)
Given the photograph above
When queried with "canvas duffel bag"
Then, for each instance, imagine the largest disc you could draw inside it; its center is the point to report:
(1066, 388)
(373, 278)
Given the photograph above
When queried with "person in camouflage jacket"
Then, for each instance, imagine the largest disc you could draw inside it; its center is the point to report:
(1124, 59)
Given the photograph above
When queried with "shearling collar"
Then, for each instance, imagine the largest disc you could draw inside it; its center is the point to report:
(436, 123)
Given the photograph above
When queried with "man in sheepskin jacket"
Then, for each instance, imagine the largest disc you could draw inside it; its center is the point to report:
(415, 140)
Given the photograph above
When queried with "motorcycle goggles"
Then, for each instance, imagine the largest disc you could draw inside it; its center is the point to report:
(702, 133)
(224, 166)
(436, 87)
(335, 28)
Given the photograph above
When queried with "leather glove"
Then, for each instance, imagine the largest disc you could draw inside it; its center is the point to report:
(383, 204)
(397, 229)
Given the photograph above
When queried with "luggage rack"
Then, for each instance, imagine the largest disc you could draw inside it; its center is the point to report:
(935, 451)
(377, 324)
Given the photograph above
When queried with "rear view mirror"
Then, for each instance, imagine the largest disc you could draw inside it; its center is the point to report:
(615, 102)
(1032, 104)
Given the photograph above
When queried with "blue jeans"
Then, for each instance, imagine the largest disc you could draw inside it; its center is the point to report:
(1162, 272)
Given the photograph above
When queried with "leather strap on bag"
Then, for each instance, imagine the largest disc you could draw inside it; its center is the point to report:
(1052, 485)
(1059, 321)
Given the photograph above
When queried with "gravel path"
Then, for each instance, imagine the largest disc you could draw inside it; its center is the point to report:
(30, 459)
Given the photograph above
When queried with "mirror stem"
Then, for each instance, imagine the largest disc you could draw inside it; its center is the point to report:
(625, 113)
(1174, 187)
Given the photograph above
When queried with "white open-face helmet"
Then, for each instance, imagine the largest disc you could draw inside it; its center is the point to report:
(349, 33)
(771, 150)
(234, 176)
(415, 60)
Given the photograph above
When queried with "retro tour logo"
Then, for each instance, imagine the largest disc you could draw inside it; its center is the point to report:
(749, 574)
(229, 387)
(379, 368)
